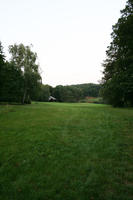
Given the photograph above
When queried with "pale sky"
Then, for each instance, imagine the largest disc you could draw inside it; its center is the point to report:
(69, 36)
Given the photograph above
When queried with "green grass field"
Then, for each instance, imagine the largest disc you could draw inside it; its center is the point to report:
(58, 151)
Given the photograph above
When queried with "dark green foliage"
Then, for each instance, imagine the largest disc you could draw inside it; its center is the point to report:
(2, 65)
(19, 79)
(2, 57)
(44, 93)
(74, 93)
(59, 93)
(23, 58)
(67, 93)
(11, 80)
(89, 89)
(118, 67)
(12, 84)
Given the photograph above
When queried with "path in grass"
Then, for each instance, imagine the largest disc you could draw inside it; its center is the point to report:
(52, 151)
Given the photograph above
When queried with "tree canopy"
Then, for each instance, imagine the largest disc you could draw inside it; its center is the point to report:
(19, 77)
(117, 83)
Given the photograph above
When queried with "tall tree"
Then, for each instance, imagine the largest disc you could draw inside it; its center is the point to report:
(12, 85)
(11, 82)
(2, 64)
(2, 56)
(118, 67)
(26, 60)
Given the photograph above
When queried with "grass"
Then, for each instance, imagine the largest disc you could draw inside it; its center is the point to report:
(60, 151)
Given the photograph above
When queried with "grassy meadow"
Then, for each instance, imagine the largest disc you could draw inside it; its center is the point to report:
(60, 151)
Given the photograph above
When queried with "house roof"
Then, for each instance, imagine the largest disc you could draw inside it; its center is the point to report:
(51, 98)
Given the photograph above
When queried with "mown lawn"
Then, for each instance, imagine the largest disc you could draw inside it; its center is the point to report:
(52, 151)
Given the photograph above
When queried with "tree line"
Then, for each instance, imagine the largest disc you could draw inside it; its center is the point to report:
(69, 93)
(117, 82)
(20, 80)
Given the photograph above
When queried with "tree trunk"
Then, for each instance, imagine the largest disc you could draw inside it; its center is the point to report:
(23, 101)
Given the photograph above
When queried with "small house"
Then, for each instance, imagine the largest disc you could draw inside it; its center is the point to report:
(52, 99)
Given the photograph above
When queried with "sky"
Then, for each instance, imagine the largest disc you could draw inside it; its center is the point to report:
(70, 37)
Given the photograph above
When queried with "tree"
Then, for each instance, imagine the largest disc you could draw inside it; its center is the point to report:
(2, 64)
(89, 89)
(2, 56)
(59, 93)
(10, 80)
(24, 59)
(117, 83)
(44, 93)
(11, 89)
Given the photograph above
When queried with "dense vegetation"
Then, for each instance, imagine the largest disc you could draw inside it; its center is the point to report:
(118, 67)
(71, 93)
(66, 151)
(19, 77)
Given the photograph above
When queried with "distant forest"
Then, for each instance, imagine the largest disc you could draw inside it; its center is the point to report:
(71, 93)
